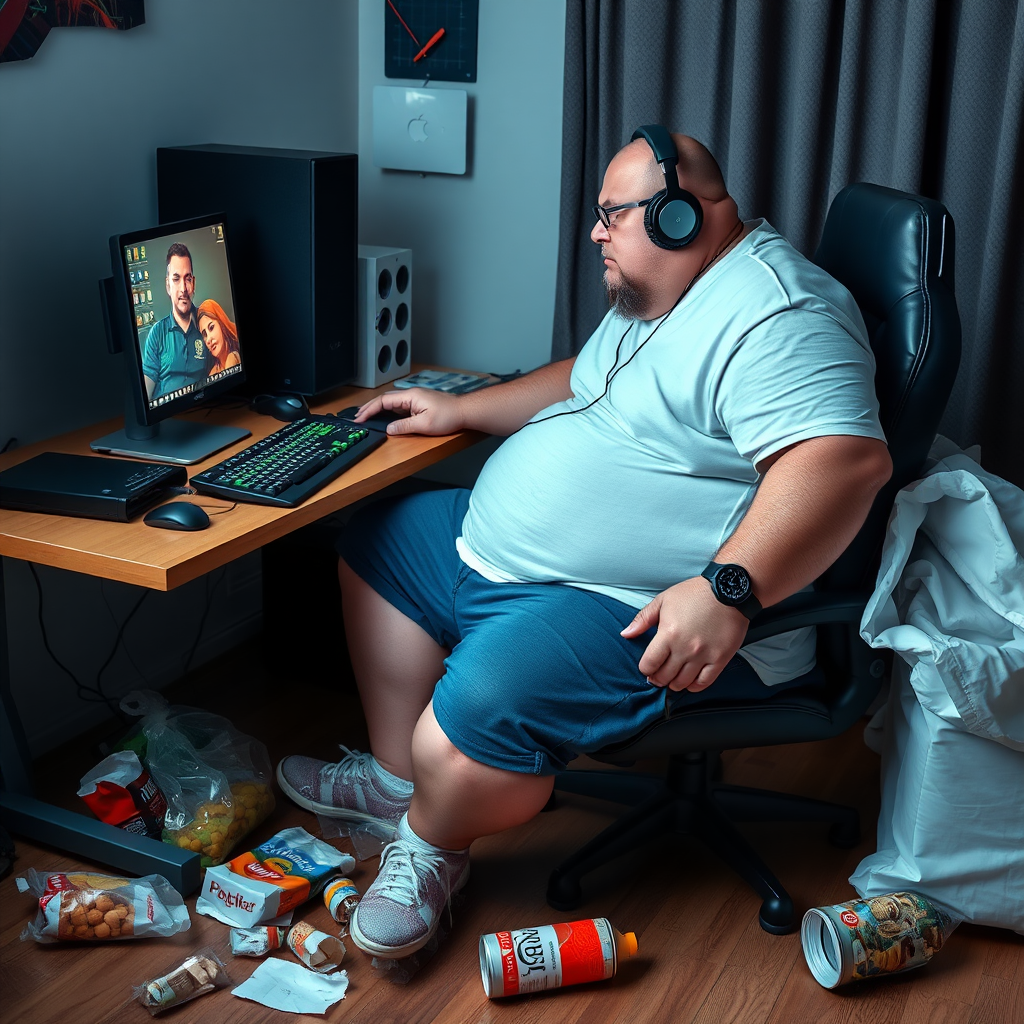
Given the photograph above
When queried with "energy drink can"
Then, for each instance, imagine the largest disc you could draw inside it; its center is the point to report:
(871, 937)
(551, 956)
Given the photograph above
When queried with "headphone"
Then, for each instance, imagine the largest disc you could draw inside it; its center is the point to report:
(673, 218)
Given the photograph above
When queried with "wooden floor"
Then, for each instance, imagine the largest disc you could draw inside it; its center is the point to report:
(702, 955)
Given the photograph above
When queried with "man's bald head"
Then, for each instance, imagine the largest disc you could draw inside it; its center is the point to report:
(697, 169)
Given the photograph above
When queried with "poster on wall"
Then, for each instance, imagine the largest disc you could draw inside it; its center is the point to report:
(24, 24)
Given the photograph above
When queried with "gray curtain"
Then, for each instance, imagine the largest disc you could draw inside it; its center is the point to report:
(798, 98)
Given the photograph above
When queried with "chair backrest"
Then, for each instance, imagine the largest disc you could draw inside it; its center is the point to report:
(895, 253)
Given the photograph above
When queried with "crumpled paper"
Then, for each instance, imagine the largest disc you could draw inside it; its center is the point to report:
(283, 985)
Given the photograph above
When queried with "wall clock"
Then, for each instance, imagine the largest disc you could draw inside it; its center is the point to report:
(431, 39)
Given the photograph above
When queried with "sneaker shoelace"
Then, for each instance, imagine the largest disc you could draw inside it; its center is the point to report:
(398, 869)
(352, 764)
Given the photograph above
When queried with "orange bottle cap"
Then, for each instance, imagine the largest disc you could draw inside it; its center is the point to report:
(630, 944)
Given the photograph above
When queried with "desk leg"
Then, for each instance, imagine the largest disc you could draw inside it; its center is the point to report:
(74, 833)
(15, 763)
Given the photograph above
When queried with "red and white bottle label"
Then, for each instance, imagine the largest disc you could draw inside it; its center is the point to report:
(551, 956)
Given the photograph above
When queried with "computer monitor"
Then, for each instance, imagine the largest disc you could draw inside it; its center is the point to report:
(170, 309)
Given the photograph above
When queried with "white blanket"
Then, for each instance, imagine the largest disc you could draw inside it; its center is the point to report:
(950, 603)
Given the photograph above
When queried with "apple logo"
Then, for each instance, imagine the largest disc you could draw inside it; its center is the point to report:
(418, 129)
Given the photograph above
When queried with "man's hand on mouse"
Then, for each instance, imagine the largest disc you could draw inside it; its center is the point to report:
(426, 412)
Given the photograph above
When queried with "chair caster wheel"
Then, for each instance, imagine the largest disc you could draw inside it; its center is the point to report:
(564, 893)
(844, 834)
(776, 916)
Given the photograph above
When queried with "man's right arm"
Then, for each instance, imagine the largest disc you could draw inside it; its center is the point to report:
(500, 409)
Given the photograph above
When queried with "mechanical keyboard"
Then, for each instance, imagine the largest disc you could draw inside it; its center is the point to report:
(292, 463)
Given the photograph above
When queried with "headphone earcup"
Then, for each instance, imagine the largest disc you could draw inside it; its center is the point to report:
(672, 223)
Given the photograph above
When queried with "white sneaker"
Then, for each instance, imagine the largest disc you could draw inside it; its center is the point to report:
(348, 789)
(402, 908)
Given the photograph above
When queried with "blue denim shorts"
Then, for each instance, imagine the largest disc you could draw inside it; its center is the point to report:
(537, 672)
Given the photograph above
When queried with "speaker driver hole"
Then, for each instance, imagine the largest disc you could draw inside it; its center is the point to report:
(384, 321)
(384, 283)
(402, 352)
(402, 279)
(402, 316)
(384, 358)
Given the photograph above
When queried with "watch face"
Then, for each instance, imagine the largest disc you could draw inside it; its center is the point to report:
(733, 583)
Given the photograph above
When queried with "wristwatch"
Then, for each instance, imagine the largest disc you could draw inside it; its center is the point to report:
(731, 584)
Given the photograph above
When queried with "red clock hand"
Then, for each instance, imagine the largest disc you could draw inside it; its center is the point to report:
(435, 38)
(406, 27)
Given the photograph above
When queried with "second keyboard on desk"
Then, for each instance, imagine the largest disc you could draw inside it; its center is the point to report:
(292, 463)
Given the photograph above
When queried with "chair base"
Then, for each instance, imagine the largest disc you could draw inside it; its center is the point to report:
(688, 801)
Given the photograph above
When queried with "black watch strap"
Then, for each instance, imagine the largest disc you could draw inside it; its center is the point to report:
(730, 583)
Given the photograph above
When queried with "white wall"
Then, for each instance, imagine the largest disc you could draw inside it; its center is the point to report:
(484, 244)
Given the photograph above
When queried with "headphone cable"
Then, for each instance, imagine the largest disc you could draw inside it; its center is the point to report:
(615, 368)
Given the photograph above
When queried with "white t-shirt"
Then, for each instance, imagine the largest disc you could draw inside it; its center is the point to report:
(639, 490)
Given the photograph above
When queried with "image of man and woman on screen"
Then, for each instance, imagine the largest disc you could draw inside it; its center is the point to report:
(193, 342)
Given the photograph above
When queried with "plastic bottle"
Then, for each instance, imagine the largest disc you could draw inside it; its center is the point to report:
(552, 956)
(340, 898)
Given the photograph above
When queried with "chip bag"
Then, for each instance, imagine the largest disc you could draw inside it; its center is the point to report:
(80, 906)
(216, 780)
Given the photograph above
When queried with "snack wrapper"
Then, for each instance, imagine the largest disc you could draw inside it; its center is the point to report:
(258, 941)
(198, 974)
(259, 886)
(121, 792)
(86, 907)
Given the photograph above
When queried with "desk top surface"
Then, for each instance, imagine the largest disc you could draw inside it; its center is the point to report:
(163, 559)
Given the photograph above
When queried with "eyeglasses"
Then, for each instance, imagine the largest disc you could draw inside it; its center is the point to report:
(604, 213)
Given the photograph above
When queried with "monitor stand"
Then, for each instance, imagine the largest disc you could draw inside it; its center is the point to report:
(182, 442)
(179, 441)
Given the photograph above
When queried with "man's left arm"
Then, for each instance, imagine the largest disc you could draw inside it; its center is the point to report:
(812, 500)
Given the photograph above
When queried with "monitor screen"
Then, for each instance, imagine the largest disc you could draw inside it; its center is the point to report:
(171, 309)
(185, 322)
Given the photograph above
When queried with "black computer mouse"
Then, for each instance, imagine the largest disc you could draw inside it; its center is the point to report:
(281, 407)
(177, 515)
(379, 421)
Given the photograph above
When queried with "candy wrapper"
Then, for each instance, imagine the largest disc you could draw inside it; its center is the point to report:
(85, 907)
(197, 975)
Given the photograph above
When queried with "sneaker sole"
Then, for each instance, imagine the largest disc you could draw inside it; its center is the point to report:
(397, 952)
(329, 810)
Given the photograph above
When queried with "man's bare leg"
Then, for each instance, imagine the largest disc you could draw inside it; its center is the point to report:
(457, 799)
(396, 666)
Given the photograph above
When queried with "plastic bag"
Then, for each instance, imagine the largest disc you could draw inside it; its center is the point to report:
(216, 780)
(81, 906)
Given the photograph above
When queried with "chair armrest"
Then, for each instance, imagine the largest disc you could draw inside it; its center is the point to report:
(812, 608)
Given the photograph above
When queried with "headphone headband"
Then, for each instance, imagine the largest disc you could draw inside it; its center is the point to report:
(659, 139)
(674, 216)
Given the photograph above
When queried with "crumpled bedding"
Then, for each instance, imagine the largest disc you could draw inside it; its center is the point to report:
(949, 602)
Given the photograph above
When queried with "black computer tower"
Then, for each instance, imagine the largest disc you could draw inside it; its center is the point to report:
(292, 219)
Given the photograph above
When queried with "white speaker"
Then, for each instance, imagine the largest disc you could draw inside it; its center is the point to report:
(384, 330)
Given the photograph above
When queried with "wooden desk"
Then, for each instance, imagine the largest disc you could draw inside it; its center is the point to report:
(161, 560)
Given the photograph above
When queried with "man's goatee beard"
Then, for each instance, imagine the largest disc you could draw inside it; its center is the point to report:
(626, 300)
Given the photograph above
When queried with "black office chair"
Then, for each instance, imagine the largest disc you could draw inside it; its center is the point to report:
(894, 252)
